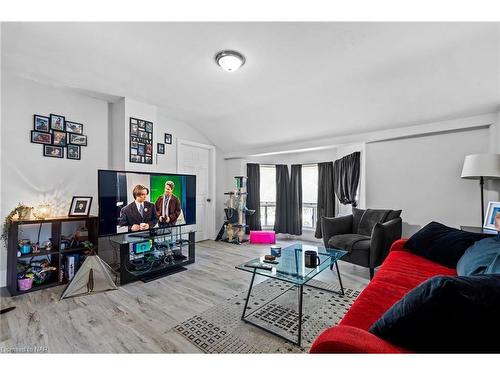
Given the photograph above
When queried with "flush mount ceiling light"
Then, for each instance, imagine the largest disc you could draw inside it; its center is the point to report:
(230, 60)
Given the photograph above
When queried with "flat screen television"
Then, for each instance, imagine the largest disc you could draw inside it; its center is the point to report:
(138, 202)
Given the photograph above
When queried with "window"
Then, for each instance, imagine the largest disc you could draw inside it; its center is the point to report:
(309, 195)
(267, 195)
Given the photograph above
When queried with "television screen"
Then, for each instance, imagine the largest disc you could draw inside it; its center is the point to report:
(137, 202)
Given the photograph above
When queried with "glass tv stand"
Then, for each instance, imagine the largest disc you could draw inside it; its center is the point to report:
(148, 256)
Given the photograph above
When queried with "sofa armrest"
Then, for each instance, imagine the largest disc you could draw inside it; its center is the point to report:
(331, 226)
(383, 236)
(399, 245)
(349, 339)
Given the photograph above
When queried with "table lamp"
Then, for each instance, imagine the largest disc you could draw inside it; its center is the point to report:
(481, 166)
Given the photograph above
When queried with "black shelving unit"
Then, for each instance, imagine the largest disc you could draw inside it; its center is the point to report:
(56, 254)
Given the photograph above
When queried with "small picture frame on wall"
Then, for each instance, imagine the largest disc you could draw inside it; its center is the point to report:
(59, 138)
(41, 123)
(74, 127)
(77, 139)
(57, 122)
(73, 152)
(160, 148)
(53, 151)
(41, 137)
(168, 139)
(491, 213)
(80, 206)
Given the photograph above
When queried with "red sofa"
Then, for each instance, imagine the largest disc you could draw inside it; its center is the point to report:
(400, 272)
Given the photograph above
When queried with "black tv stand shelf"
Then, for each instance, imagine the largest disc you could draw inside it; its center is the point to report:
(169, 253)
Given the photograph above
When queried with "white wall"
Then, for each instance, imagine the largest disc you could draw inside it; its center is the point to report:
(421, 176)
(28, 176)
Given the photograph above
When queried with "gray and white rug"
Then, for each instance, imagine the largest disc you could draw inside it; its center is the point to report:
(221, 330)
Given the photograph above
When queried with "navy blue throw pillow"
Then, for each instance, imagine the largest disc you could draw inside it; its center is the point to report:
(446, 314)
(442, 244)
(481, 258)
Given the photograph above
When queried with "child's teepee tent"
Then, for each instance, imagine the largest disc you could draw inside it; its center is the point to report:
(92, 277)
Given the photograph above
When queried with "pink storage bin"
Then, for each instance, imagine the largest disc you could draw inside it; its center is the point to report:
(24, 284)
(262, 236)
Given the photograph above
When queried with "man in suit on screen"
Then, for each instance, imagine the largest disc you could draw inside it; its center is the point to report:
(140, 214)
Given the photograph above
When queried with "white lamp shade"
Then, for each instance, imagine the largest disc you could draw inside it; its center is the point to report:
(481, 165)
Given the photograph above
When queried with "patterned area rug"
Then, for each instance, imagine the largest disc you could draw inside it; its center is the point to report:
(221, 330)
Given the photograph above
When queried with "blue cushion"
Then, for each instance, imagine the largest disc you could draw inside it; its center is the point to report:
(446, 314)
(483, 257)
(442, 244)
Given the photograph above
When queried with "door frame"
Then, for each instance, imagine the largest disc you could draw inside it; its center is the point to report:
(212, 179)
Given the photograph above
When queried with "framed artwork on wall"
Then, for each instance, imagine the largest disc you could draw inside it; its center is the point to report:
(160, 148)
(168, 139)
(491, 213)
(73, 152)
(57, 122)
(140, 141)
(53, 151)
(41, 123)
(74, 127)
(41, 137)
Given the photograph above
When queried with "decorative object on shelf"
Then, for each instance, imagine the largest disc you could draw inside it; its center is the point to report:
(491, 215)
(55, 133)
(56, 122)
(80, 206)
(481, 166)
(160, 148)
(168, 139)
(43, 211)
(41, 123)
(25, 247)
(21, 212)
(53, 151)
(141, 141)
(73, 152)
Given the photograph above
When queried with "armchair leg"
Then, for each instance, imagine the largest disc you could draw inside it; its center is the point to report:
(372, 271)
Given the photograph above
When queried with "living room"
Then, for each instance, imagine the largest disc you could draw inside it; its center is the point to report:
(250, 188)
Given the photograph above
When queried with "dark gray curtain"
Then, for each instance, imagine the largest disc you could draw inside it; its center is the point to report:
(253, 197)
(346, 175)
(295, 198)
(282, 199)
(326, 195)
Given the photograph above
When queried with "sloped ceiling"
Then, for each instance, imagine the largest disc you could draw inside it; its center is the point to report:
(301, 80)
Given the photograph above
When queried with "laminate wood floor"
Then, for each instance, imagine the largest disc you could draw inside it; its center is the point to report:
(138, 317)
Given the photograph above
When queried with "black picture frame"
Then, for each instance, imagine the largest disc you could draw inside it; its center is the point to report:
(63, 141)
(140, 140)
(35, 133)
(75, 208)
(41, 123)
(51, 154)
(53, 121)
(70, 152)
(168, 138)
(160, 148)
(70, 125)
(72, 137)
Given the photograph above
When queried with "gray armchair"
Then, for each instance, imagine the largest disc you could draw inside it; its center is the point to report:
(366, 235)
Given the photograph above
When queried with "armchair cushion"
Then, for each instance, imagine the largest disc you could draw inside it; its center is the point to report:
(349, 242)
(369, 219)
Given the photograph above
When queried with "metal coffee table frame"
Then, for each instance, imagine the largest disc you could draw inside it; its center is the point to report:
(300, 287)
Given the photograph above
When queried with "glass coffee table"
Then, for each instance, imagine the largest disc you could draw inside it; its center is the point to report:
(291, 269)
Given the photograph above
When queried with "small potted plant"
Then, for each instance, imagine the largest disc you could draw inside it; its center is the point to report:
(21, 211)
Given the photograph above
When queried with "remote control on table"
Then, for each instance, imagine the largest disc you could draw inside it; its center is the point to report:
(260, 266)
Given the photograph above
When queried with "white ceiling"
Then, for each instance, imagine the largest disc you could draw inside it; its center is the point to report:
(301, 80)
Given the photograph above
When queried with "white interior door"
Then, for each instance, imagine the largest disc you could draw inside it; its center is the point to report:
(196, 159)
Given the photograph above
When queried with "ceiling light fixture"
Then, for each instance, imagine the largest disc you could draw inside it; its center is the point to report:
(230, 60)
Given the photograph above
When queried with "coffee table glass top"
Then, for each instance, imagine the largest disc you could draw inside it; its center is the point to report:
(291, 267)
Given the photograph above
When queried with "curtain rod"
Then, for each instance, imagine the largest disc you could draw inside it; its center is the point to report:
(311, 163)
